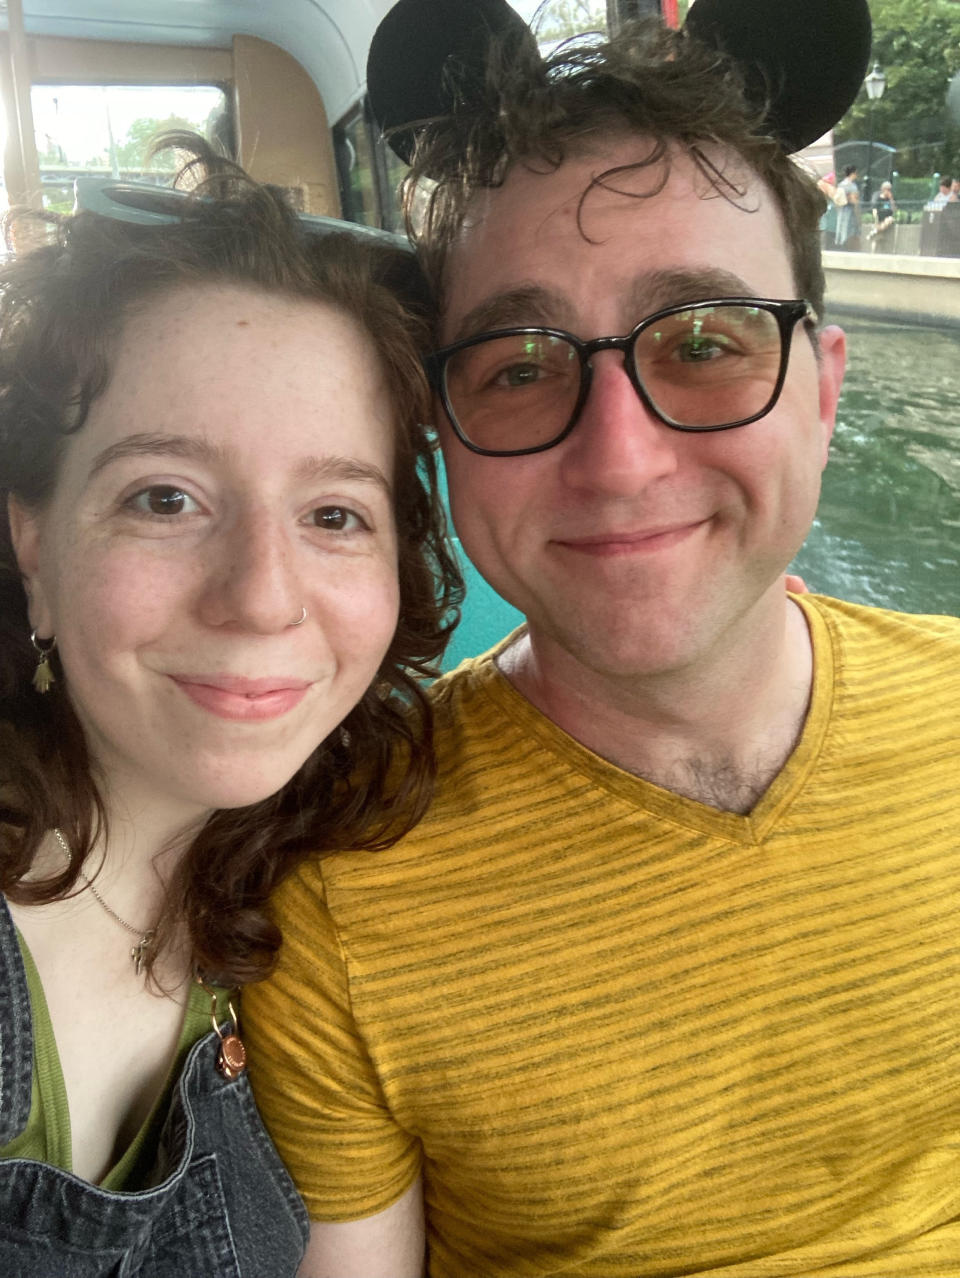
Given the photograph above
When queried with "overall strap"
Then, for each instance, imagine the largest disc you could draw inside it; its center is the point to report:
(16, 1034)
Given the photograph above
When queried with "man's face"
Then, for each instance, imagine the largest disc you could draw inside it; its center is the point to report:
(631, 547)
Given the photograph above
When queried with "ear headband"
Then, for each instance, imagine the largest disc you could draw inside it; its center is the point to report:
(802, 60)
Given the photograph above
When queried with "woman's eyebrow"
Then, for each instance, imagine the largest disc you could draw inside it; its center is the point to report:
(346, 468)
(150, 445)
(191, 448)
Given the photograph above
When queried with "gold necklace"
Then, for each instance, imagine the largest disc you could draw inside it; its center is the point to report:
(138, 952)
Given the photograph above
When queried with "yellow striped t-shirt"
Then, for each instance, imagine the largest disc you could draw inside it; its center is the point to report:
(623, 1034)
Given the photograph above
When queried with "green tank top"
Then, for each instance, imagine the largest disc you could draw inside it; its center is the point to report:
(46, 1137)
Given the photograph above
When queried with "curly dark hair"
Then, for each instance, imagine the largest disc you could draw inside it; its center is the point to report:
(61, 309)
(648, 80)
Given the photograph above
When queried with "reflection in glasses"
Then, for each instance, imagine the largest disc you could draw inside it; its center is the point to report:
(709, 365)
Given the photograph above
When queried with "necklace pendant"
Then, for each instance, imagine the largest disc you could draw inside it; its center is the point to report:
(138, 952)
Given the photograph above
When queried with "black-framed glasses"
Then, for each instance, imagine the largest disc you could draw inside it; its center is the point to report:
(700, 366)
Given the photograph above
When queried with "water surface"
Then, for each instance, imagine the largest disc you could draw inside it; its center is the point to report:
(888, 528)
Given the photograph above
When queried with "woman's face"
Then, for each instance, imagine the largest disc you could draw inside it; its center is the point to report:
(237, 470)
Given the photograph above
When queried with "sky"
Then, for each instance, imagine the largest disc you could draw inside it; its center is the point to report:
(526, 8)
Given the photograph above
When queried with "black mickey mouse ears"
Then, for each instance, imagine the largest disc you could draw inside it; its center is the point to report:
(416, 42)
(803, 60)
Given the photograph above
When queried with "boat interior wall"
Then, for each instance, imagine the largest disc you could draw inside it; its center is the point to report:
(65, 61)
(283, 137)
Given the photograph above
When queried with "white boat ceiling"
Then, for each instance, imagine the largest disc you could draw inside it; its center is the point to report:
(328, 37)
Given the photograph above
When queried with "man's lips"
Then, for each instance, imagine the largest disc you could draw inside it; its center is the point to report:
(633, 541)
(234, 697)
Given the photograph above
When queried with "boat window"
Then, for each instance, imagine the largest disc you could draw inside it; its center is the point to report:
(107, 129)
(368, 172)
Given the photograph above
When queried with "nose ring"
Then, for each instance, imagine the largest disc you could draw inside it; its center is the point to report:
(301, 619)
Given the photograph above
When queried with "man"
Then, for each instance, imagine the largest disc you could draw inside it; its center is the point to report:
(885, 211)
(667, 980)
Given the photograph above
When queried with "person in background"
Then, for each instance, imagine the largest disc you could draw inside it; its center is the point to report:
(828, 222)
(848, 211)
(942, 196)
(885, 212)
(665, 981)
(212, 473)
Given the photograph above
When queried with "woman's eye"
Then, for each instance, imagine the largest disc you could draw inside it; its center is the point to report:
(163, 499)
(338, 519)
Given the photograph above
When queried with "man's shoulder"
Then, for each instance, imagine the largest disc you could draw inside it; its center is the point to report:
(474, 700)
(481, 728)
(862, 622)
(891, 647)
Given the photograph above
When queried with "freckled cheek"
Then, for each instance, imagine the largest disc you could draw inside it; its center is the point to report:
(360, 607)
(111, 605)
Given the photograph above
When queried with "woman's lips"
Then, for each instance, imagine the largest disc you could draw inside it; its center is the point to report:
(640, 541)
(249, 700)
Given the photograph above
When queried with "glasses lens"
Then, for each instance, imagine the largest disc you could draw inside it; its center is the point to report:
(514, 392)
(710, 366)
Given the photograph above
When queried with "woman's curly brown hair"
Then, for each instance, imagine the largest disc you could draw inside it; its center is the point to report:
(663, 85)
(62, 307)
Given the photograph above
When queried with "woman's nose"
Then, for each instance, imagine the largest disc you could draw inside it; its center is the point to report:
(251, 582)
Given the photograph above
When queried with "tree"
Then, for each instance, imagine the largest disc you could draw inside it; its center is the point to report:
(557, 20)
(917, 43)
(132, 151)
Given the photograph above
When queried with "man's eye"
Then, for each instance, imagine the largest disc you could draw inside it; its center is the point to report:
(338, 519)
(697, 350)
(163, 499)
(520, 375)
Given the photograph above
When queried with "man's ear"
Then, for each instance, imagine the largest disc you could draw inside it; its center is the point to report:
(25, 529)
(830, 369)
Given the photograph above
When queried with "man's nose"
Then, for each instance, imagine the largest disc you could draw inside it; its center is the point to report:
(618, 446)
(252, 582)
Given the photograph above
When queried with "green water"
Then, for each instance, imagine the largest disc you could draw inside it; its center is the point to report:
(888, 528)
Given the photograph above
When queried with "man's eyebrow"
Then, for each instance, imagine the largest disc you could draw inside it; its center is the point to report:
(658, 289)
(526, 305)
(535, 306)
(190, 448)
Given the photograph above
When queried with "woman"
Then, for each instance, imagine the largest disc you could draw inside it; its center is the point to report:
(218, 501)
(828, 222)
(847, 200)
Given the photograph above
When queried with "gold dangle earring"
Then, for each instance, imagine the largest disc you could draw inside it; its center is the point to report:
(43, 676)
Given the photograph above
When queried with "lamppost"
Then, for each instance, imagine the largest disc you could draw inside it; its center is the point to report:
(875, 83)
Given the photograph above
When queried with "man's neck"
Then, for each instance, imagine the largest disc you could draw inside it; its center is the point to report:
(717, 732)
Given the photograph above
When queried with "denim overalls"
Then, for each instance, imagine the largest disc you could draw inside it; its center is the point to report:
(223, 1206)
